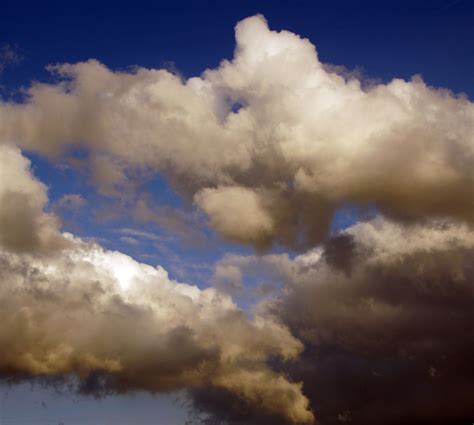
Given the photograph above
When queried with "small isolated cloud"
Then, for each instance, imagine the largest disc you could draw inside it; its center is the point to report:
(10, 55)
(141, 234)
(71, 201)
(129, 240)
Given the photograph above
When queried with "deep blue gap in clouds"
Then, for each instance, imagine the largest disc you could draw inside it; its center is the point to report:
(387, 39)
(185, 262)
(394, 38)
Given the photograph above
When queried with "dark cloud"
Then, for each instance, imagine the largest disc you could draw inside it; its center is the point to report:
(339, 252)
(387, 339)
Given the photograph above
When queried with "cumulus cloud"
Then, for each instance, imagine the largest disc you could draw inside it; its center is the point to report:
(24, 227)
(372, 326)
(384, 312)
(118, 325)
(303, 140)
(237, 213)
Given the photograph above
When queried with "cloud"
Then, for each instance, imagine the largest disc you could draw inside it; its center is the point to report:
(24, 227)
(303, 140)
(252, 277)
(370, 326)
(237, 213)
(140, 234)
(384, 312)
(174, 221)
(72, 201)
(72, 308)
(129, 240)
(10, 55)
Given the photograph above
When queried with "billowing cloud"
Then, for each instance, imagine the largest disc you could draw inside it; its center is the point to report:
(274, 127)
(24, 226)
(72, 308)
(384, 312)
(248, 220)
(370, 326)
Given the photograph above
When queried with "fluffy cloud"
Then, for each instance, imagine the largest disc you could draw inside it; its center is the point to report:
(248, 221)
(24, 226)
(274, 127)
(72, 308)
(268, 145)
(384, 312)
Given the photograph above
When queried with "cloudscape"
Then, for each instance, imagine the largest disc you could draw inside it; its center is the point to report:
(278, 240)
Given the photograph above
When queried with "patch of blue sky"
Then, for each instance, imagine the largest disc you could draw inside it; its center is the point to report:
(349, 214)
(45, 406)
(194, 36)
(147, 242)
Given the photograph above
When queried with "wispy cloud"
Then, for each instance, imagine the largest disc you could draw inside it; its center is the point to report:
(10, 55)
(143, 234)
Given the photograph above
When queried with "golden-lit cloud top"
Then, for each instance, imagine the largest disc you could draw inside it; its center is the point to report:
(274, 127)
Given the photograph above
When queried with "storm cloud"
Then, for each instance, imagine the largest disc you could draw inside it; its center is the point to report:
(384, 313)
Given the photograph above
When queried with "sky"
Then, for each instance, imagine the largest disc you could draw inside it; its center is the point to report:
(236, 212)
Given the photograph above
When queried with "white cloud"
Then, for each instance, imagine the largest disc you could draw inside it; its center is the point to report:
(304, 140)
(71, 307)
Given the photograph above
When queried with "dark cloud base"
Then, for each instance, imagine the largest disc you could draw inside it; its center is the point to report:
(386, 341)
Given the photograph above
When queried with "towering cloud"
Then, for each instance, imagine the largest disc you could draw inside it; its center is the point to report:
(273, 128)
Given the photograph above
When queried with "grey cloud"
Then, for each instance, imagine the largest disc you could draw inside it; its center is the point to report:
(384, 311)
(175, 221)
(71, 201)
(24, 227)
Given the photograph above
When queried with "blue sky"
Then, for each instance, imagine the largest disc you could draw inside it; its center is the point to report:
(380, 39)
(386, 39)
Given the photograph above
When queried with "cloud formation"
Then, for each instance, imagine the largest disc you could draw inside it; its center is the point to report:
(72, 308)
(274, 129)
(384, 312)
(24, 227)
(371, 326)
